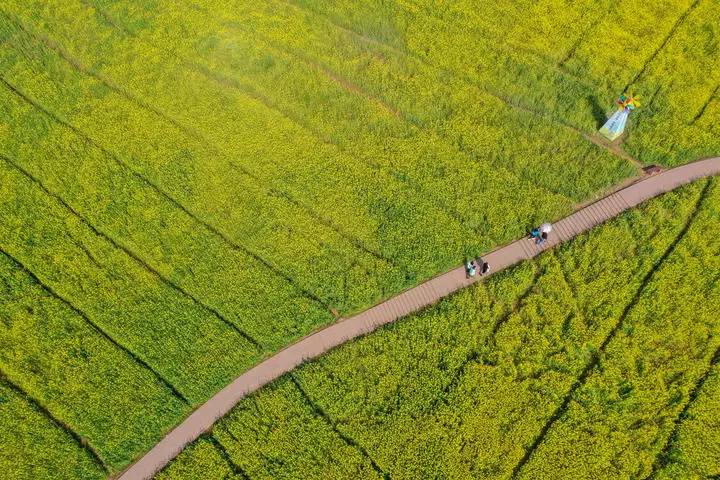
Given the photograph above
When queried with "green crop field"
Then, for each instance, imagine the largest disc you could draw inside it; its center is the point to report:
(598, 360)
(188, 186)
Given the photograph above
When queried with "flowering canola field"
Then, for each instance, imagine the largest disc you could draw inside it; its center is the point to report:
(600, 359)
(188, 186)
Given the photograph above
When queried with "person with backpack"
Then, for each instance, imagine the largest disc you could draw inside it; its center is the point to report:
(541, 233)
(470, 269)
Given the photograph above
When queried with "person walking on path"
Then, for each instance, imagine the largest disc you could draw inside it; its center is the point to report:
(485, 267)
(470, 269)
(541, 233)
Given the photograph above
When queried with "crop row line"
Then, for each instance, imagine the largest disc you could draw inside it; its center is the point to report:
(710, 99)
(469, 81)
(353, 327)
(78, 65)
(164, 195)
(250, 92)
(236, 469)
(128, 252)
(320, 413)
(82, 442)
(95, 326)
(664, 455)
(596, 356)
(475, 353)
(664, 42)
(421, 126)
(566, 280)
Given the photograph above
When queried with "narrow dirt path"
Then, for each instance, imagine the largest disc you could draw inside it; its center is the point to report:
(403, 304)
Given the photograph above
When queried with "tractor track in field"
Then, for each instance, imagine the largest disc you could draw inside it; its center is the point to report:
(662, 45)
(353, 89)
(129, 253)
(82, 442)
(96, 327)
(236, 469)
(596, 358)
(83, 69)
(424, 295)
(476, 354)
(713, 96)
(320, 413)
(662, 459)
(469, 81)
(253, 93)
(143, 180)
(598, 354)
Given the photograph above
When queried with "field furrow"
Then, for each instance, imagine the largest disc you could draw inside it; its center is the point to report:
(79, 441)
(320, 413)
(236, 470)
(664, 458)
(197, 197)
(248, 43)
(666, 330)
(30, 425)
(94, 326)
(191, 256)
(326, 271)
(188, 131)
(522, 69)
(185, 344)
(57, 355)
(397, 393)
(692, 450)
(131, 254)
(289, 418)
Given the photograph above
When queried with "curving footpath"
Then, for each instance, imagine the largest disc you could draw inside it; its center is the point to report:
(401, 305)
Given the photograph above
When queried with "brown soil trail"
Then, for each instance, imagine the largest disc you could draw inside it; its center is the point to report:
(403, 304)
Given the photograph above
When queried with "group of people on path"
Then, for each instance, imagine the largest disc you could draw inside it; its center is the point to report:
(539, 234)
(473, 266)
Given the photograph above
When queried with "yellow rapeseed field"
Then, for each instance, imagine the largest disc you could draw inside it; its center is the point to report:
(189, 186)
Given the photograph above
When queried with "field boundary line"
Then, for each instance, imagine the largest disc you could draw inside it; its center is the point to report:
(249, 90)
(322, 68)
(321, 413)
(82, 442)
(132, 98)
(710, 99)
(479, 354)
(143, 180)
(236, 469)
(205, 142)
(615, 150)
(665, 41)
(96, 327)
(335, 334)
(129, 253)
(597, 355)
(665, 454)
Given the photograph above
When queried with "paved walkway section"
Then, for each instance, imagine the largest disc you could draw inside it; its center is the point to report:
(401, 305)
